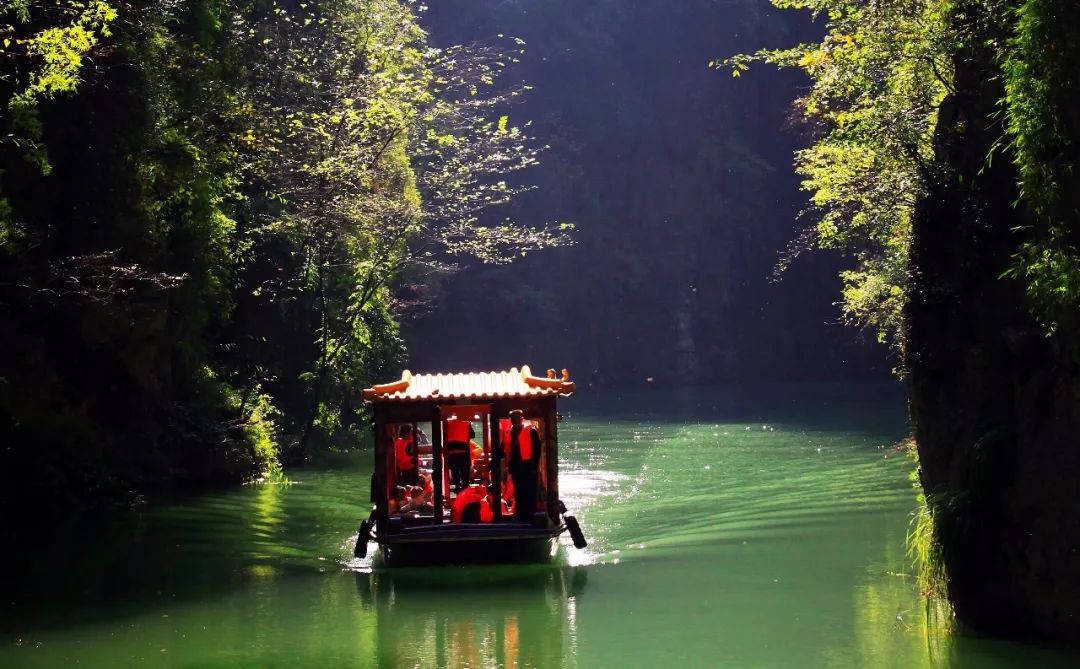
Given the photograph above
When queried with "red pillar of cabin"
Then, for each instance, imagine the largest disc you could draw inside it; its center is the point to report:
(437, 467)
(495, 464)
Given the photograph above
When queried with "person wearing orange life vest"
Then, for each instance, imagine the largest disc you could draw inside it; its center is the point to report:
(474, 494)
(418, 501)
(479, 468)
(405, 454)
(458, 434)
(398, 499)
(521, 445)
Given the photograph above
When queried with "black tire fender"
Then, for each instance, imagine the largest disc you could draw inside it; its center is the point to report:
(362, 537)
(575, 532)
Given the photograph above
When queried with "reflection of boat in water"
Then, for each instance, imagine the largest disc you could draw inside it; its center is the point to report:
(500, 510)
(499, 616)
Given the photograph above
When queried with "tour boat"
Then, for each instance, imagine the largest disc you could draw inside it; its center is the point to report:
(414, 533)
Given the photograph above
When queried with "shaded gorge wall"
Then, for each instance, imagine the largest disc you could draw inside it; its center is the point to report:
(679, 181)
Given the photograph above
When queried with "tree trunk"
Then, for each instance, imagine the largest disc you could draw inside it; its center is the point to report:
(320, 379)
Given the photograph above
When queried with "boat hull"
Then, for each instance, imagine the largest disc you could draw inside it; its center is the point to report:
(484, 544)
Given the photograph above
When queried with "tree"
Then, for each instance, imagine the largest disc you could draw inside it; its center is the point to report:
(370, 153)
(202, 257)
(878, 78)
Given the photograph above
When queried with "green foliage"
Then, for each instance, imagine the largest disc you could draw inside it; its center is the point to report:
(260, 431)
(877, 79)
(1041, 68)
(367, 156)
(207, 278)
(54, 51)
(925, 550)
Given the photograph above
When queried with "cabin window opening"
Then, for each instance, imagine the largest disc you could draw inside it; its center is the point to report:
(409, 490)
(467, 452)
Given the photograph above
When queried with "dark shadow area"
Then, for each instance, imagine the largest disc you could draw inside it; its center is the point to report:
(678, 179)
(866, 405)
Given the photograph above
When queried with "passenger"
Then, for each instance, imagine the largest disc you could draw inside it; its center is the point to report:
(476, 494)
(479, 463)
(476, 451)
(521, 444)
(458, 434)
(428, 482)
(408, 463)
(398, 500)
(418, 501)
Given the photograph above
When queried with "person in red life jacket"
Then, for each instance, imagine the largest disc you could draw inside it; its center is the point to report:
(458, 434)
(521, 445)
(479, 462)
(408, 462)
(418, 501)
(474, 494)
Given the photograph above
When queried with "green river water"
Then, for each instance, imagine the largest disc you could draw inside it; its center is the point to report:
(750, 527)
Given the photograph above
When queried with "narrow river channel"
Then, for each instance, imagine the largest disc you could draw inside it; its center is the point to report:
(749, 527)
